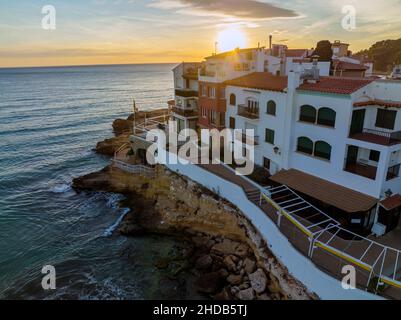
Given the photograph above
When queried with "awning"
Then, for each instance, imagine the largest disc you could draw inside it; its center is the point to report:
(327, 192)
(392, 202)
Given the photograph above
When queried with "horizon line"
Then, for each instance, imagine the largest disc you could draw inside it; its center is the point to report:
(87, 65)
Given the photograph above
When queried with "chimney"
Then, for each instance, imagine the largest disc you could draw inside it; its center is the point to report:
(270, 41)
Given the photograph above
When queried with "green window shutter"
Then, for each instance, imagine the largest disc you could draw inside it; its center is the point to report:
(271, 108)
(322, 150)
(308, 114)
(326, 117)
(269, 136)
(305, 145)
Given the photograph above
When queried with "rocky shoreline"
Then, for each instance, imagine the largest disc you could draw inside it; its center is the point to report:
(228, 257)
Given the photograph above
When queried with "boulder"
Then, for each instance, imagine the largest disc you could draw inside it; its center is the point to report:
(234, 279)
(247, 294)
(223, 295)
(122, 125)
(258, 280)
(249, 265)
(204, 262)
(226, 247)
(229, 263)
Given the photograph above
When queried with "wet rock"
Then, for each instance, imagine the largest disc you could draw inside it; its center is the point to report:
(229, 263)
(204, 262)
(242, 250)
(122, 125)
(234, 279)
(247, 294)
(224, 294)
(249, 265)
(264, 296)
(258, 280)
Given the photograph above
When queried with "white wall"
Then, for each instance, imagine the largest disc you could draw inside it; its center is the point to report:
(299, 266)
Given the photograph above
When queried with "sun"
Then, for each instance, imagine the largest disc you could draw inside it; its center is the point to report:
(231, 38)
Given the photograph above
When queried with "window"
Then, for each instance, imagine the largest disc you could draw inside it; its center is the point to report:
(271, 108)
(326, 117)
(222, 119)
(232, 123)
(204, 90)
(374, 155)
(385, 119)
(266, 163)
(322, 150)
(233, 99)
(305, 145)
(222, 93)
(269, 136)
(204, 112)
(212, 92)
(213, 116)
(308, 114)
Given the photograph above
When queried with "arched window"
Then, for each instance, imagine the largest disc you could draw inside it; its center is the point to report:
(305, 145)
(308, 114)
(271, 108)
(233, 99)
(326, 117)
(322, 150)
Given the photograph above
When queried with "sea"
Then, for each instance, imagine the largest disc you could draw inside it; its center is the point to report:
(50, 121)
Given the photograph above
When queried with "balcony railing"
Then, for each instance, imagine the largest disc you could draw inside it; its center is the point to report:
(185, 112)
(205, 73)
(362, 169)
(253, 140)
(248, 112)
(378, 136)
(393, 172)
(186, 93)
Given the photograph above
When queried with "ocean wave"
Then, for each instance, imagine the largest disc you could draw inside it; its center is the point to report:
(109, 231)
(61, 188)
(113, 200)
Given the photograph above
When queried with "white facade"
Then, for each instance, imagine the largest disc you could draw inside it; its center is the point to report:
(288, 127)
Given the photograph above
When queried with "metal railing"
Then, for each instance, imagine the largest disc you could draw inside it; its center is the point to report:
(134, 168)
(248, 112)
(393, 172)
(390, 137)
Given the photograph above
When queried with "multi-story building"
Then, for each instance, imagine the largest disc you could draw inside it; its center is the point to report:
(185, 105)
(335, 140)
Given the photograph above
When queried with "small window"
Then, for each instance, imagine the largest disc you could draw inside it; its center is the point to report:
(326, 117)
(271, 108)
(385, 119)
(374, 155)
(266, 163)
(204, 90)
(233, 99)
(269, 136)
(308, 114)
(322, 150)
(232, 123)
(305, 145)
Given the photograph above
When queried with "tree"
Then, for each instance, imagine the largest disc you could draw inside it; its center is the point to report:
(323, 50)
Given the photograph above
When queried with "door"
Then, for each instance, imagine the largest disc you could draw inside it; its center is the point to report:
(358, 119)
(352, 156)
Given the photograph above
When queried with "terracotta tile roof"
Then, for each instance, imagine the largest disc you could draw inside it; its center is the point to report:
(330, 193)
(381, 103)
(392, 202)
(292, 53)
(171, 102)
(260, 80)
(337, 85)
(343, 65)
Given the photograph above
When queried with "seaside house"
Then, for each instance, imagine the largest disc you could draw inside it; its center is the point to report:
(336, 141)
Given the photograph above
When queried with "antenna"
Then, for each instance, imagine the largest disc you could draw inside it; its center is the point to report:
(215, 47)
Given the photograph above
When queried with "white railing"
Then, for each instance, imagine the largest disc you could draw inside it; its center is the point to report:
(134, 168)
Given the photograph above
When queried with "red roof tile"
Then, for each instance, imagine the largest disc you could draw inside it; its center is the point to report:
(260, 80)
(392, 202)
(336, 85)
(380, 103)
(296, 53)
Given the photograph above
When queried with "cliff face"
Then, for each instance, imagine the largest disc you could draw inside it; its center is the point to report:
(231, 258)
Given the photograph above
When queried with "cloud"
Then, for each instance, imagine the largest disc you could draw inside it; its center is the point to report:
(239, 9)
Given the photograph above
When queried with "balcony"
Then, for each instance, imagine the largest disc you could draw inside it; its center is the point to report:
(378, 137)
(393, 172)
(185, 112)
(248, 112)
(254, 140)
(204, 73)
(362, 169)
(186, 93)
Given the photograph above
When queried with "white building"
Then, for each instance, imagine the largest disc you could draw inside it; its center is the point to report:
(185, 106)
(334, 140)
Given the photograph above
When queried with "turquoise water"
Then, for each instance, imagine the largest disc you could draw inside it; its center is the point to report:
(50, 119)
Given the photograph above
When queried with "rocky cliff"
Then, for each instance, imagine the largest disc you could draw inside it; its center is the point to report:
(230, 258)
